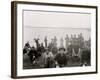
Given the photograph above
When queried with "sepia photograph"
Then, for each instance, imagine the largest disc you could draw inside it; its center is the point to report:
(56, 39)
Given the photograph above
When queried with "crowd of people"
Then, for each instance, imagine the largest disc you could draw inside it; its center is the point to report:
(77, 52)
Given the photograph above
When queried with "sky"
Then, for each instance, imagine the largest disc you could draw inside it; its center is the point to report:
(38, 24)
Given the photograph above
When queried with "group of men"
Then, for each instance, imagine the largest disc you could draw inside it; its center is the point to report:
(77, 50)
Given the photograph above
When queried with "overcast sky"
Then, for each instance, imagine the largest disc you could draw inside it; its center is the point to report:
(41, 24)
(54, 19)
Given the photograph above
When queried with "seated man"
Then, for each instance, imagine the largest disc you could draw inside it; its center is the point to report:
(48, 59)
(32, 54)
(60, 58)
(76, 53)
(86, 57)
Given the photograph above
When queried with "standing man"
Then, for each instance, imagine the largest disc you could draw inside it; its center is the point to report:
(45, 40)
(81, 40)
(61, 43)
(67, 41)
(37, 42)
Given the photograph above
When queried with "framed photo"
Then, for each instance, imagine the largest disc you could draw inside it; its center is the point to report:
(50, 39)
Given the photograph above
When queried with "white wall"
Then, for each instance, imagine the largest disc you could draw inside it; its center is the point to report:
(5, 40)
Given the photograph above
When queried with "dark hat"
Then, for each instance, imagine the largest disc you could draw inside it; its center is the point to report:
(46, 48)
(62, 49)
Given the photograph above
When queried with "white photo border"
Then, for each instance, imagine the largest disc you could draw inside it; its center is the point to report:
(54, 71)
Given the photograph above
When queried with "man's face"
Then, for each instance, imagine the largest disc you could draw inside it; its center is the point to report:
(41, 44)
(61, 51)
(47, 51)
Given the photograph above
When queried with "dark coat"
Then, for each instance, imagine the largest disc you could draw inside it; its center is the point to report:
(61, 59)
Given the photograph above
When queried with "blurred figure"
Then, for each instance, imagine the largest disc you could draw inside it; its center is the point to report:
(60, 58)
(45, 40)
(61, 42)
(48, 59)
(87, 44)
(53, 46)
(70, 49)
(86, 57)
(67, 41)
(42, 48)
(55, 41)
(37, 42)
(32, 54)
(27, 44)
(26, 48)
(76, 52)
(81, 40)
(50, 46)
(72, 39)
(54, 50)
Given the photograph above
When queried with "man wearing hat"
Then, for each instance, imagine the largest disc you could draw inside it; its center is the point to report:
(60, 58)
